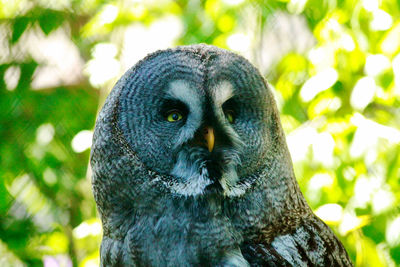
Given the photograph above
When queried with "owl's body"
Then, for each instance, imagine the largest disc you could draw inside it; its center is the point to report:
(190, 168)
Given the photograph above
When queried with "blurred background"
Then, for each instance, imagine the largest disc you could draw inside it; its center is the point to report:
(334, 66)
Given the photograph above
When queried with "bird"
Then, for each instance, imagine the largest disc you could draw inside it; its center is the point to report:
(190, 167)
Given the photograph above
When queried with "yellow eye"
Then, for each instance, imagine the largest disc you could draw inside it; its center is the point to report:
(174, 115)
(230, 116)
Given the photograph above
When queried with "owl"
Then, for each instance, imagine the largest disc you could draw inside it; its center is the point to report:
(191, 168)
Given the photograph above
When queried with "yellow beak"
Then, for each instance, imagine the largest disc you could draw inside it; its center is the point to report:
(209, 137)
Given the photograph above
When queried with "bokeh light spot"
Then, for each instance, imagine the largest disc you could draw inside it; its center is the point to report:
(296, 6)
(382, 200)
(351, 222)
(368, 134)
(82, 141)
(396, 71)
(44, 134)
(323, 146)
(363, 93)
(239, 42)
(86, 228)
(103, 66)
(318, 83)
(11, 77)
(370, 5)
(381, 20)
(108, 14)
(49, 176)
(393, 232)
(330, 213)
(376, 64)
(233, 2)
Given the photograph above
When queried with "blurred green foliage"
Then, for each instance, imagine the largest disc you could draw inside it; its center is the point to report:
(334, 65)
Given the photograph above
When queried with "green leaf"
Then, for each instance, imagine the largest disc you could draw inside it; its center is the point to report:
(5, 198)
(50, 20)
(20, 24)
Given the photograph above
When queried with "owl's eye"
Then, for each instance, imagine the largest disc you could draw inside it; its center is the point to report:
(230, 116)
(174, 115)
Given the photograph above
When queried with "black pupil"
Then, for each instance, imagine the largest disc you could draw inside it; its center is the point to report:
(175, 116)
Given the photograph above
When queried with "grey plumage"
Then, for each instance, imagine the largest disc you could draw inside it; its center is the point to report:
(165, 200)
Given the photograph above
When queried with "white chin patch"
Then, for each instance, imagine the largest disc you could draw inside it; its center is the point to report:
(196, 183)
(191, 186)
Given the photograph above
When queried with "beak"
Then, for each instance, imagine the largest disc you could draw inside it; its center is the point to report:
(209, 137)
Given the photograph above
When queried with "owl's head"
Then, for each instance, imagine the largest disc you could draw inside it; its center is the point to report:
(201, 117)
